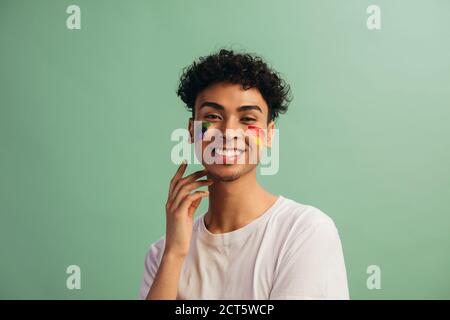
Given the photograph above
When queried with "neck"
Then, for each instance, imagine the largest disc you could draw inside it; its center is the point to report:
(234, 204)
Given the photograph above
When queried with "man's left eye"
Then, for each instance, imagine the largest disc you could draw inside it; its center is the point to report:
(247, 119)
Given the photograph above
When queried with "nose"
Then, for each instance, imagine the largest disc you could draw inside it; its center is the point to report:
(233, 132)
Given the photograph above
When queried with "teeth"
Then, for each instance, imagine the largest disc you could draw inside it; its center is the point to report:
(229, 152)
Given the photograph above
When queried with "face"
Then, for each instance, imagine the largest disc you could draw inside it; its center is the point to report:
(228, 106)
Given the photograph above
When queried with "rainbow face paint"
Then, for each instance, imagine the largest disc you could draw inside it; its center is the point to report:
(258, 132)
(205, 126)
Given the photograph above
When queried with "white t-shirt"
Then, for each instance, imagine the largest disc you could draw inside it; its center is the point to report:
(291, 251)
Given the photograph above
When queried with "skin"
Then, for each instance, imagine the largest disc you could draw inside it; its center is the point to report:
(232, 188)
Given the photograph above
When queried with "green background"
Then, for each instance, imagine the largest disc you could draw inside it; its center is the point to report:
(86, 117)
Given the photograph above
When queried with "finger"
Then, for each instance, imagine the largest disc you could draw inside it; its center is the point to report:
(193, 176)
(194, 205)
(186, 189)
(190, 198)
(190, 178)
(180, 171)
(181, 182)
(175, 192)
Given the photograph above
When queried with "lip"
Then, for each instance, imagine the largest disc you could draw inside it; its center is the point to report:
(229, 159)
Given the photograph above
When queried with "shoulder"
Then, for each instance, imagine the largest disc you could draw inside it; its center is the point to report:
(155, 252)
(301, 216)
(307, 233)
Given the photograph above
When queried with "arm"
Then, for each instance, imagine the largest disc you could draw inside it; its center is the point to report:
(180, 208)
(165, 284)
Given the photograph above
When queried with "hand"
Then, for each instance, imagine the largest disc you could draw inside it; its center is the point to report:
(180, 209)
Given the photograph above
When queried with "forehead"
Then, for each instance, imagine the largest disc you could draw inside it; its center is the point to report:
(231, 96)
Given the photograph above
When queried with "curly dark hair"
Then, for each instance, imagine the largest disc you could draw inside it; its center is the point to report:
(238, 68)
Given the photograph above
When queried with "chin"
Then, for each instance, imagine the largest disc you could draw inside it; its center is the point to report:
(228, 172)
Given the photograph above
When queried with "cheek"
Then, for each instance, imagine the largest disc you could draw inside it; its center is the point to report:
(257, 134)
(199, 132)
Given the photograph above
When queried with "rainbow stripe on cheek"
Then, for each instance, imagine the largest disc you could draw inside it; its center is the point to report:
(205, 126)
(259, 132)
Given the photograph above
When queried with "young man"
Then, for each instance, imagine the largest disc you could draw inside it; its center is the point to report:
(250, 244)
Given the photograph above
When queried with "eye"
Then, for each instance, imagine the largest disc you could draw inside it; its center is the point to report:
(212, 116)
(248, 119)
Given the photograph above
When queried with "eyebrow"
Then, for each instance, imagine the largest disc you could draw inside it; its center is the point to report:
(220, 107)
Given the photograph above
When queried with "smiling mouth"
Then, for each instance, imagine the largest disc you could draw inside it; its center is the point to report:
(229, 153)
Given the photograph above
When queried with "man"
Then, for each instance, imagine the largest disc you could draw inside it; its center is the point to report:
(250, 244)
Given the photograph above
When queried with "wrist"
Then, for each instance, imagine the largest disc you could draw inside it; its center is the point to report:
(173, 256)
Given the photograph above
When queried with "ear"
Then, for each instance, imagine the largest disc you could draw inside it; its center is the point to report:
(191, 130)
(270, 132)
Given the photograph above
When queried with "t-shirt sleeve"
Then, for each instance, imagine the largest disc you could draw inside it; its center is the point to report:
(150, 268)
(311, 265)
